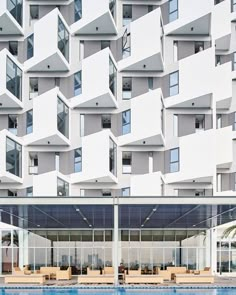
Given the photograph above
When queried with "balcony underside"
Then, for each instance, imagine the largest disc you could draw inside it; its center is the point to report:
(144, 141)
(9, 101)
(224, 103)
(9, 25)
(106, 100)
(78, 178)
(56, 139)
(53, 63)
(223, 43)
(7, 177)
(104, 24)
(202, 180)
(203, 101)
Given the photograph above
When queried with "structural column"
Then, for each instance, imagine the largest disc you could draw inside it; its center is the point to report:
(115, 242)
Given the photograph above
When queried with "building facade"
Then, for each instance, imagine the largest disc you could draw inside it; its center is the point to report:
(117, 98)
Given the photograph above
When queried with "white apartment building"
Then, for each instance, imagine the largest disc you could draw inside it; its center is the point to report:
(118, 102)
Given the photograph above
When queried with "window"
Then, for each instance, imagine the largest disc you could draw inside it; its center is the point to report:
(174, 83)
(29, 122)
(234, 126)
(218, 60)
(33, 163)
(106, 121)
(62, 188)
(14, 79)
(112, 157)
(15, 8)
(173, 10)
(112, 7)
(29, 191)
(63, 39)
(218, 121)
(175, 47)
(126, 88)
(126, 122)
(78, 10)
(175, 126)
(33, 87)
(11, 193)
(199, 123)
(150, 83)
(78, 160)
(233, 5)
(12, 124)
(125, 192)
(34, 12)
(174, 160)
(13, 47)
(200, 193)
(126, 162)
(199, 46)
(127, 14)
(105, 44)
(81, 125)
(234, 62)
(13, 157)
(78, 83)
(126, 44)
(62, 117)
(106, 193)
(219, 182)
(30, 46)
(112, 77)
(57, 161)
(150, 8)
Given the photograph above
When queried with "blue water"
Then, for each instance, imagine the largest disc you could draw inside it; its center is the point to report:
(117, 292)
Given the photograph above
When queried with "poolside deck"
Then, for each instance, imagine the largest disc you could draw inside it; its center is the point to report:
(220, 281)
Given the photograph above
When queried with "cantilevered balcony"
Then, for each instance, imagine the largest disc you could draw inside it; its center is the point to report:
(192, 90)
(10, 81)
(51, 46)
(200, 154)
(190, 18)
(11, 13)
(149, 184)
(146, 121)
(98, 82)
(51, 128)
(99, 159)
(96, 21)
(142, 44)
(10, 158)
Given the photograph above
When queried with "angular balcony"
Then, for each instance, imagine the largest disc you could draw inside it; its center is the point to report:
(98, 82)
(54, 128)
(11, 158)
(99, 159)
(53, 184)
(11, 13)
(51, 45)
(10, 82)
(206, 155)
(195, 90)
(192, 18)
(146, 108)
(97, 21)
(142, 44)
(150, 184)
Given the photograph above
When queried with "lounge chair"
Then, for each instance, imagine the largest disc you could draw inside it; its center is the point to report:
(176, 270)
(49, 271)
(194, 279)
(166, 274)
(94, 276)
(17, 271)
(63, 274)
(143, 279)
(24, 278)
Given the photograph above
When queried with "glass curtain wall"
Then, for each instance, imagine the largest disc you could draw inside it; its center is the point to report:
(63, 39)
(14, 79)
(112, 77)
(15, 8)
(62, 117)
(13, 157)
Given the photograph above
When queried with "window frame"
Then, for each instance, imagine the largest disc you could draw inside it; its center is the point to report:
(28, 131)
(173, 163)
(77, 85)
(79, 161)
(30, 50)
(175, 11)
(176, 85)
(128, 123)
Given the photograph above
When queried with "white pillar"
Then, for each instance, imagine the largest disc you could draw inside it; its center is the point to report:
(115, 243)
(211, 251)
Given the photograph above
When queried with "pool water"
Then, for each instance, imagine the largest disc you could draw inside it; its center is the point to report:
(118, 291)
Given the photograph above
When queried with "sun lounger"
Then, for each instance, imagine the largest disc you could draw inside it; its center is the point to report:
(23, 279)
(193, 279)
(143, 279)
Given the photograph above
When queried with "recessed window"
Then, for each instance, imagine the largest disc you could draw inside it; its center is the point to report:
(126, 88)
(174, 160)
(15, 8)
(29, 191)
(234, 124)
(150, 83)
(106, 121)
(233, 5)
(126, 162)
(125, 192)
(30, 46)
(62, 188)
(199, 123)
(234, 62)
(173, 10)
(112, 157)
(78, 83)
(106, 193)
(126, 44)
(219, 121)
(219, 182)
(126, 122)
(57, 161)
(63, 39)
(174, 83)
(199, 46)
(12, 124)
(13, 157)
(150, 8)
(14, 79)
(112, 77)
(13, 47)
(127, 14)
(200, 193)
(33, 163)
(78, 160)
(62, 117)
(29, 122)
(105, 44)
(33, 87)
(218, 60)
(78, 9)
(34, 12)
(112, 7)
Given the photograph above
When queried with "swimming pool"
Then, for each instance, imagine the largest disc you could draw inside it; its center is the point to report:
(118, 291)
